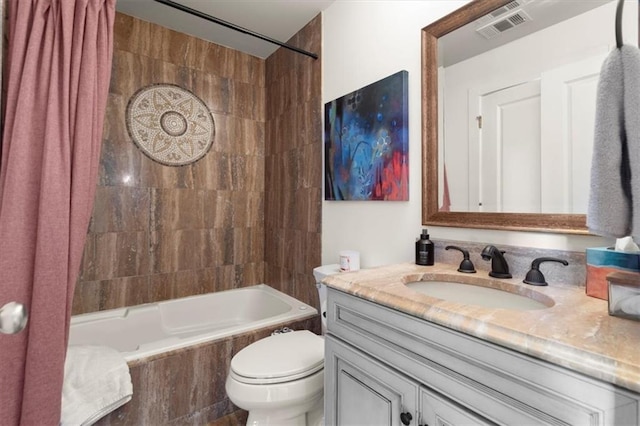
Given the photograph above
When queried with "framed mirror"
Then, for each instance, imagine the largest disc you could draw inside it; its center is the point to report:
(507, 125)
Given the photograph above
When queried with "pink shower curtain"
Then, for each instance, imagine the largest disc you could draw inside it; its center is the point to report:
(57, 76)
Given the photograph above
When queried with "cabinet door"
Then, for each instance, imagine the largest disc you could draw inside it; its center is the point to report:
(361, 391)
(440, 411)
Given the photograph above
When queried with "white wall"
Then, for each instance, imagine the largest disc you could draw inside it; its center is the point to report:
(365, 41)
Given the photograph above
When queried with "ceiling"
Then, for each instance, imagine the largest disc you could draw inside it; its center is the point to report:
(276, 19)
(465, 42)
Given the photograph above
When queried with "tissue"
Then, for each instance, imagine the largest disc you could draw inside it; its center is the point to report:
(601, 261)
(624, 295)
(626, 244)
(629, 306)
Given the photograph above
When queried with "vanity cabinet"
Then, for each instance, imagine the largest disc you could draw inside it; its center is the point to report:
(367, 392)
(384, 367)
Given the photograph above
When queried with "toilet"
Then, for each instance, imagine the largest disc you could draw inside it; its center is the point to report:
(279, 380)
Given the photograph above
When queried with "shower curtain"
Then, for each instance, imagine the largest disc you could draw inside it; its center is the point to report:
(57, 73)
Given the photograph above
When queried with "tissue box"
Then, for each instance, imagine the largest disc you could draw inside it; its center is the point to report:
(602, 261)
(624, 295)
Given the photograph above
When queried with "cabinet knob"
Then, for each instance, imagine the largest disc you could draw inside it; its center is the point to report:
(406, 418)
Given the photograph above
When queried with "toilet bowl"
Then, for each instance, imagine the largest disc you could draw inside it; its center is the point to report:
(279, 380)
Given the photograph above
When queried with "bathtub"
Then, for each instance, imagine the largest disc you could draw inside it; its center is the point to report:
(150, 329)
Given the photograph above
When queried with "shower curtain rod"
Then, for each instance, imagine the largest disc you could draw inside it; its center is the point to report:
(219, 21)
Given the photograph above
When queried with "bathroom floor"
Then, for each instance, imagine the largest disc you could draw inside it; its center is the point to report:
(236, 418)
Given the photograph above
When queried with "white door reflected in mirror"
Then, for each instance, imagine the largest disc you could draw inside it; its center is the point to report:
(530, 144)
(508, 126)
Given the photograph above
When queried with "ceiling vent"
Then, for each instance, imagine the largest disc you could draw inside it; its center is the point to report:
(498, 26)
(492, 16)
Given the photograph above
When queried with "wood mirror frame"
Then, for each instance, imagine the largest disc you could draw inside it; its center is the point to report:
(557, 223)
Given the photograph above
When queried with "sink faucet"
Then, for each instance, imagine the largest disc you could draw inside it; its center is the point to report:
(535, 276)
(499, 266)
(466, 265)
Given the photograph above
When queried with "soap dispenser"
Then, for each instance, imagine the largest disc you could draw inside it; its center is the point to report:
(424, 249)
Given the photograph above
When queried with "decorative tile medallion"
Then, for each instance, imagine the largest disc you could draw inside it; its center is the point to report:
(170, 124)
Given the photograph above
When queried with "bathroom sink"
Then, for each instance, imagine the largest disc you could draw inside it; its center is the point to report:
(469, 294)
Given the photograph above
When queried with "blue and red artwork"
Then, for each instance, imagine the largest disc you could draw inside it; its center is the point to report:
(366, 142)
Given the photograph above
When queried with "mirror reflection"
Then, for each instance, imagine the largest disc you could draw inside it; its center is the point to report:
(517, 95)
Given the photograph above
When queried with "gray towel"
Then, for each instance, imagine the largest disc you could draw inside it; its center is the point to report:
(615, 167)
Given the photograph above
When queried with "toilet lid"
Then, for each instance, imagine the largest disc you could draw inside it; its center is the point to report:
(279, 358)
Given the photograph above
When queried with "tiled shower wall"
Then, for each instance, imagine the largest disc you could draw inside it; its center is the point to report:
(293, 184)
(246, 213)
(160, 232)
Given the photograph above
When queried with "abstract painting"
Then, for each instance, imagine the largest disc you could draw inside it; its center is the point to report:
(366, 142)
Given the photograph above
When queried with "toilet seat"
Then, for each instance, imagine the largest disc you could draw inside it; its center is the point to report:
(279, 358)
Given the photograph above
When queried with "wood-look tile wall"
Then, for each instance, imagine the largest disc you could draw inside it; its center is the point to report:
(293, 183)
(161, 232)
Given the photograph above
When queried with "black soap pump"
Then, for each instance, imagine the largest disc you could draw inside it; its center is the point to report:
(424, 249)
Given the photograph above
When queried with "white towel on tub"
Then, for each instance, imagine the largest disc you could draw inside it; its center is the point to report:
(96, 382)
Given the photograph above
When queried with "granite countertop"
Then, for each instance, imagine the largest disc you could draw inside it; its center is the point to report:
(576, 332)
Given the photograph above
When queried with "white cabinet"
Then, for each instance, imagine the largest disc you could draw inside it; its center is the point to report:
(437, 410)
(384, 367)
(364, 391)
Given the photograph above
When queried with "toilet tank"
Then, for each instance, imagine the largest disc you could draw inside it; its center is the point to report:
(320, 273)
